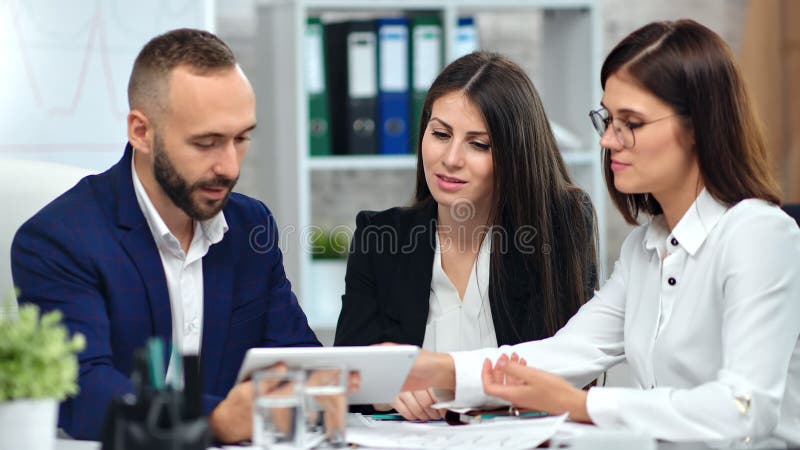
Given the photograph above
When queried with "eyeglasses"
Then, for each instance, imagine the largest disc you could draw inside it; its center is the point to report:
(623, 129)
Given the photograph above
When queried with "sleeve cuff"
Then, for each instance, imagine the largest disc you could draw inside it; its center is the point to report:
(602, 404)
(469, 386)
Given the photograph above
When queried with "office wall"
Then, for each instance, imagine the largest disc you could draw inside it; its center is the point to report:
(65, 68)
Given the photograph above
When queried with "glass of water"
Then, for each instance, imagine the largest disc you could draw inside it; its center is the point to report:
(277, 408)
(325, 404)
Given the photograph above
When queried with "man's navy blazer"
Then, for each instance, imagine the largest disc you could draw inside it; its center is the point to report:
(90, 254)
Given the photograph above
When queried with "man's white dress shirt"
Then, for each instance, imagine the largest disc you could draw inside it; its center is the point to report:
(454, 323)
(183, 270)
(707, 316)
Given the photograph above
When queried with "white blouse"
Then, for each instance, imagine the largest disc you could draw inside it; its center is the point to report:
(456, 324)
(708, 317)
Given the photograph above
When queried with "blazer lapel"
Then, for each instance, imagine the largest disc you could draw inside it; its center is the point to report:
(416, 272)
(138, 242)
(140, 246)
(217, 306)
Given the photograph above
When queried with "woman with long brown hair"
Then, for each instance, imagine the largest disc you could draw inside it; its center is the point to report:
(704, 301)
(498, 247)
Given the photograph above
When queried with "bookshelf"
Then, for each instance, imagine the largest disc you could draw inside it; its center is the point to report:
(568, 84)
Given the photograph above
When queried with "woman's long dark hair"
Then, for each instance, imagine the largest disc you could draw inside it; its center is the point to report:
(534, 196)
(690, 68)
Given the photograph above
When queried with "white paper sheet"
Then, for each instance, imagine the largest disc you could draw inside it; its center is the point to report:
(502, 434)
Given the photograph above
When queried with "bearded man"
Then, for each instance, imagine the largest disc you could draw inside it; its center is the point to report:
(159, 245)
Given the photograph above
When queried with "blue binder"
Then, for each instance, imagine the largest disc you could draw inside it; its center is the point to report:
(466, 37)
(393, 86)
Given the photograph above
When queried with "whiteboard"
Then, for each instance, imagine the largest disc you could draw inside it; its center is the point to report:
(65, 68)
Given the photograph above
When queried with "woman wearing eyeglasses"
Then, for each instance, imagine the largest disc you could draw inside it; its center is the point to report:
(704, 302)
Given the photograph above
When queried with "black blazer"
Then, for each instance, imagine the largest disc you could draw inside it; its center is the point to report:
(388, 283)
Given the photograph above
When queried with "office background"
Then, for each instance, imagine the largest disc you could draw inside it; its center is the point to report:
(64, 74)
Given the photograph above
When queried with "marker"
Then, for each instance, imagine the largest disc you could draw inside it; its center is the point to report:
(155, 362)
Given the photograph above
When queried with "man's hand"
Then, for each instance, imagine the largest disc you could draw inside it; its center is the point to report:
(232, 420)
(353, 382)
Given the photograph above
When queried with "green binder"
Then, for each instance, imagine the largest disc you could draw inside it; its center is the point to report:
(319, 128)
(425, 61)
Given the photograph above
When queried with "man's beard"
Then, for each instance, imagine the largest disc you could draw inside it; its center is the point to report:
(179, 190)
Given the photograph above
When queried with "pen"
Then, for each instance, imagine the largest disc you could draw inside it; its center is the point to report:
(397, 417)
(480, 417)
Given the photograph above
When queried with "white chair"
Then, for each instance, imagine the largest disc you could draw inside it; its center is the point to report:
(25, 187)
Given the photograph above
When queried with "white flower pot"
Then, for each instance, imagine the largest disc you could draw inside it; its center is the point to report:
(28, 424)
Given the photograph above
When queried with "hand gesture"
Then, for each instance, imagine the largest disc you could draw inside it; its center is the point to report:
(530, 388)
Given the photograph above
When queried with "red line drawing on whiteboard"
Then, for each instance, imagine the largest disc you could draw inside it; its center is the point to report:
(96, 37)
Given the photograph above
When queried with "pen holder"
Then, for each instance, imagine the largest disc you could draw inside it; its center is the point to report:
(158, 419)
(153, 423)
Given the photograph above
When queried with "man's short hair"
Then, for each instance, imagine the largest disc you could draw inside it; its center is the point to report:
(202, 52)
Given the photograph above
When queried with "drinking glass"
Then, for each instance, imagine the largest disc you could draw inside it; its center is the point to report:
(325, 403)
(277, 408)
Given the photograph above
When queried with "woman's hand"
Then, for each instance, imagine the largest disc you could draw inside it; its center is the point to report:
(501, 378)
(416, 405)
(535, 389)
(431, 369)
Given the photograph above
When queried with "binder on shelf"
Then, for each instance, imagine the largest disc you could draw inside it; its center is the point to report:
(466, 37)
(393, 91)
(352, 70)
(319, 127)
(426, 63)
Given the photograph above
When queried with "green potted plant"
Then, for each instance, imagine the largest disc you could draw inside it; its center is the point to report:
(38, 368)
(329, 250)
(329, 243)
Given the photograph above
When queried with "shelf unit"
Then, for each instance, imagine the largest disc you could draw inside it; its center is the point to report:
(391, 162)
(567, 82)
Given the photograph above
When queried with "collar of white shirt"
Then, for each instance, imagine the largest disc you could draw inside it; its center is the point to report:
(693, 228)
(213, 229)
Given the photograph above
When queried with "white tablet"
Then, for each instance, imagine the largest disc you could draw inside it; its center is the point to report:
(383, 369)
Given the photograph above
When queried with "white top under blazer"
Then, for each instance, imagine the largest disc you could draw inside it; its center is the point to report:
(456, 324)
